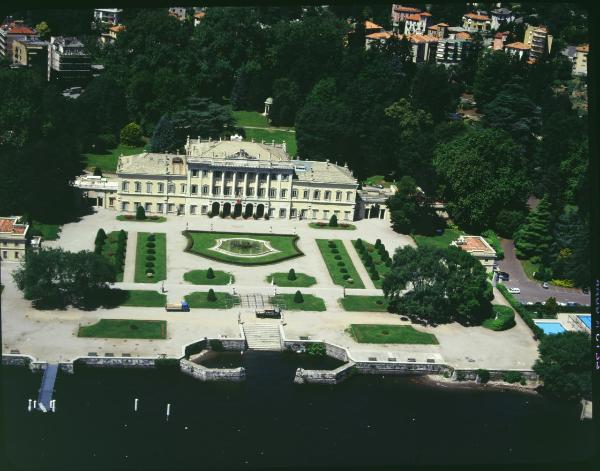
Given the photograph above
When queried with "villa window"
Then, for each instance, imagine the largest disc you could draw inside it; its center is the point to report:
(317, 195)
(148, 207)
(16, 254)
(348, 196)
(216, 190)
(194, 189)
(148, 187)
(327, 195)
(161, 187)
(125, 206)
(170, 208)
(227, 190)
(283, 193)
(325, 213)
(138, 187)
(346, 215)
(305, 194)
(238, 191)
(261, 192)
(315, 213)
(181, 209)
(217, 174)
(159, 208)
(272, 192)
(338, 196)
(193, 209)
(293, 212)
(271, 212)
(337, 213)
(125, 186)
(136, 204)
(183, 188)
(194, 173)
(205, 189)
(250, 192)
(171, 188)
(203, 209)
(294, 193)
(282, 213)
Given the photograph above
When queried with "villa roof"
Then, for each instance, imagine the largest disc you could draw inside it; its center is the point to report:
(401, 9)
(371, 25)
(419, 38)
(416, 16)
(15, 28)
(379, 35)
(476, 17)
(199, 14)
(583, 48)
(518, 45)
(148, 163)
(474, 245)
(462, 35)
(10, 225)
(236, 150)
(117, 28)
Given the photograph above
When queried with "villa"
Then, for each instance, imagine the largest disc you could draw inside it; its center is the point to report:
(235, 178)
(14, 238)
(479, 248)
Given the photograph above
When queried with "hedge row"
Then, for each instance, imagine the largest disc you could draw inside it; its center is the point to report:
(505, 319)
(367, 258)
(524, 313)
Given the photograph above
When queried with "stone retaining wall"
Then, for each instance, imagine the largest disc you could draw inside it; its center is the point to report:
(116, 362)
(495, 375)
(324, 376)
(211, 374)
(372, 367)
(16, 360)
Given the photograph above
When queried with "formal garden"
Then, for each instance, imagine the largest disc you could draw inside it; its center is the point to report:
(208, 277)
(377, 333)
(291, 279)
(211, 300)
(364, 303)
(125, 329)
(340, 266)
(242, 248)
(299, 302)
(375, 258)
(151, 257)
(113, 247)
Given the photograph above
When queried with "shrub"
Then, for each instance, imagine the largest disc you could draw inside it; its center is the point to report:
(333, 222)
(484, 375)
(122, 237)
(359, 243)
(266, 216)
(374, 275)
(98, 249)
(298, 298)
(105, 142)
(341, 264)
(563, 283)
(335, 251)
(345, 276)
(460, 376)
(150, 270)
(331, 244)
(150, 245)
(150, 264)
(100, 237)
(140, 213)
(211, 296)
(504, 319)
(316, 349)
(210, 214)
(150, 258)
(150, 251)
(343, 270)
(210, 274)
(216, 345)
(291, 275)
(377, 243)
(131, 135)
(512, 376)
(388, 262)
(337, 257)
(151, 238)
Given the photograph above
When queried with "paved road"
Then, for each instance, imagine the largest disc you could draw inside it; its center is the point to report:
(532, 291)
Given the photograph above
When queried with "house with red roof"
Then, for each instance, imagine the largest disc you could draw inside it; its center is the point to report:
(11, 31)
(474, 22)
(417, 23)
(14, 238)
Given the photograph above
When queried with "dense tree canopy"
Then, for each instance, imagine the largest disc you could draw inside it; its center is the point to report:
(444, 285)
(408, 211)
(534, 237)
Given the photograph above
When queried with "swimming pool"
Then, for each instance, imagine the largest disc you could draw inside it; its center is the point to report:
(586, 319)
(551, 328)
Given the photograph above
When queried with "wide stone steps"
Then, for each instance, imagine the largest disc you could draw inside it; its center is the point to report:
(262, 336)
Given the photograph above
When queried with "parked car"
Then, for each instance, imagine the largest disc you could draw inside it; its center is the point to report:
(514, 290)
(571, 304)
(502, 275)
(545, 285)
(585, 290)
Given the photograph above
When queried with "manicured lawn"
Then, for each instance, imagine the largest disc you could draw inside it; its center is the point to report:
(377, 333)
(201, 243)
(341, 226)
(364, 303)
(198, 277)
(108, 161)
(310, 303)
(268, 135)
(438, 241)
(199, 299)
(378, 180)
(529, 268)
(110, 248)
(160, 258)
(504, 321)
(380, 266)
(49, 231)
(250, 118)
(143, 298)
(128, 217)
(302, 280)
(341, 262)
(125, 329)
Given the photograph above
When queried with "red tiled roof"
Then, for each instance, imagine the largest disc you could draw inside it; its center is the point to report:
(200, 15)
(462, 35)
(425, 13)
(518, 45)
(117, 28)
(401, 9)
(379, 35)
(415, 17)
(7, 225)
(371, 25)
(476, 17)
(21, 29)
(419, 38)
(433, 28)
(583, 48)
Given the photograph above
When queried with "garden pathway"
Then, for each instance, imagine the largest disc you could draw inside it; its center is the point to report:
(358, 264)
(129, 272)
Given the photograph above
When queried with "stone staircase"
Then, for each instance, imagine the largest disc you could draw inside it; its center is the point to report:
(262, 336)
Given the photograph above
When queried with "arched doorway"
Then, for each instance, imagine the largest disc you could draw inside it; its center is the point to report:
(227, 209)
(248, 210)
(237, 210)
(260, 210)
(214, 210)
(374, 213)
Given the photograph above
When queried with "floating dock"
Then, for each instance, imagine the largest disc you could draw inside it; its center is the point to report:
(47, 388)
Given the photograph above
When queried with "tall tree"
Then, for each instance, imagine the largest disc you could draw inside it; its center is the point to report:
(433, 92)
(408, 211)
(535, 236)
(202, 117)
(164, 138)
(493, 71)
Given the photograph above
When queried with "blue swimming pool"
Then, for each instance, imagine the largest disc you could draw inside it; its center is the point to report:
(586, 319)
(550, 327)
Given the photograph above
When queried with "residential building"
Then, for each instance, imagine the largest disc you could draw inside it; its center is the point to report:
(68, 61)
(178, 12)
(30, 53)
(235, 177)
(580, 66)
(198, 17)
(14, 31)
(417, 23)
(518, 49)
(109, 16)
(479, 248)
(538, 40)
(476, 22)
(499, 40)
(376, 38)
(370, 202)
(399, 14)
(97, 191)
(439, 31)
(111, 35)
(423, 47)
(501, 16)
(452, 50)
(570, 52)
(14, 239)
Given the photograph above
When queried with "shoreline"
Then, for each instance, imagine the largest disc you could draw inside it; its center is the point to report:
(440, 381)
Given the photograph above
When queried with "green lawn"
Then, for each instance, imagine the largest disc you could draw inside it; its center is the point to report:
(364, 303)
(108, 250)
(377, 333)
(504, 321)
(108, 161)
(438, 241)
(323, 225)
(144, 298)
(199, 300)
(200, 243)
(279, 135)
(378, 180)
(131, 217)
(310, 303)
(198, 277)
(302, 280)
(160, 261)
(250, 118)
(342, 261)
(125, 329)
(529, 268)
(48, 231)
(380, 265)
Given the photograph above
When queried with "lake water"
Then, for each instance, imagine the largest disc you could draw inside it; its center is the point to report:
(269, 421)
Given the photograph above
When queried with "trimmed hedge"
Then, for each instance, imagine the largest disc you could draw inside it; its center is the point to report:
(524, 313)
(505, 320)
